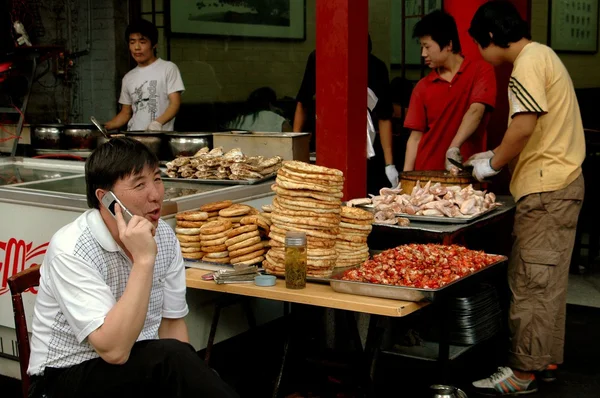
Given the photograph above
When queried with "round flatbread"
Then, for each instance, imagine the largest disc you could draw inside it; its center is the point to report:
(300, 175)
(355, 213)
(334, 217)
(267, 208)
(212, 214)
(245, 243)
(303, 167)
(246, 257)
(257, 220)
(214, 227)
(233, 220)
(214, 236)
(217, 255)
(309, 203)
(190, 249)
(352, 238)
(357, 227)
(188, 238)
(193, 256)
(310, 262)
(241, 238)
(189, 224)
(246, 250)
(241, 230)
(303, 193)
(322, 184)
(235, 210)
(216, 206)
(213, 242)
(324, 222)
(189, 244)
(220, 260)
(187, 231)
(357, 222)
(252, 261)
(192, 216)
(214, 249)
(287, 184)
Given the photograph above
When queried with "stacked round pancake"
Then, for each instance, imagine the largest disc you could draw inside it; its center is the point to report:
(188, 233)
(308, 199)
(213, 208)
(351, 244)
(235, 212)
(245, 245)
(213, 236)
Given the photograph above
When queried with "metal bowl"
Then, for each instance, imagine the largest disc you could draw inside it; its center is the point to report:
(80, 136)
(47, 136)
(152, 139)
(187, 144)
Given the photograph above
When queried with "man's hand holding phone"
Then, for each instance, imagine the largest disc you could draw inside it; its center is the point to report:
(138, 237)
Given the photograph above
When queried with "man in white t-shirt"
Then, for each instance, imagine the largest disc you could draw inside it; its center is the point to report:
(151, 92)
(109, 316)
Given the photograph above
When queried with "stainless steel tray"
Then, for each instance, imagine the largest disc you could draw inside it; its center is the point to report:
(435, 219)
(398, 292)
(224, 182)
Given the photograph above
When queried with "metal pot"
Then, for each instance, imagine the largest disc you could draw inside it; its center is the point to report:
(80, 136)
(187, 144)
(442, 391)
(152, 139)
(47, 136)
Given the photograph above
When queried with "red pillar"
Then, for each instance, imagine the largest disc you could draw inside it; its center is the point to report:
(341, 96)
(463, 12)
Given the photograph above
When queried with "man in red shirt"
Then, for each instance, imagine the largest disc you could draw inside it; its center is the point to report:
(449, 109)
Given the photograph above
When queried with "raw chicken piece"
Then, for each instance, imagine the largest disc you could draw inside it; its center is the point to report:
(404, 222)
(467, 206)
(359, 201)
(432, 212)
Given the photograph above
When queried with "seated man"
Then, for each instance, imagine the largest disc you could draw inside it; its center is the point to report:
(108, 319)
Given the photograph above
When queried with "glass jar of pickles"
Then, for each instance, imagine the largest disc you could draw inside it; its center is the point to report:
(295, 260)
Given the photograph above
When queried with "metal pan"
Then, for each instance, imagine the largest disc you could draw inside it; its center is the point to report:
(224, 182)
(403, 292)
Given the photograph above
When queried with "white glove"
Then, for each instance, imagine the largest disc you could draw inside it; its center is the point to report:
(154, 126)
(481, 155)
(482, 168)
(454, 154)
(392, 175)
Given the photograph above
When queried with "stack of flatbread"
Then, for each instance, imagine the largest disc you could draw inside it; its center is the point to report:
(188, 233)
(308, 199)
(213, 236)
(351, 244)
(215, 164)
(245, 245)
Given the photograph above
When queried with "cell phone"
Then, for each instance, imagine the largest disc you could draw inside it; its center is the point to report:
(109, 200)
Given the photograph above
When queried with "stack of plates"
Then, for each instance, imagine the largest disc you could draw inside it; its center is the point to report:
(476, 316)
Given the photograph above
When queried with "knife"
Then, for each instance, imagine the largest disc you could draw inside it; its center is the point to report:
(459, 165)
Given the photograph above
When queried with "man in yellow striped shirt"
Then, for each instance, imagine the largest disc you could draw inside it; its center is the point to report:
(544, 147)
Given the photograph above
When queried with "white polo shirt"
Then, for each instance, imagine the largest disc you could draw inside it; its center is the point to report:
(83, 275)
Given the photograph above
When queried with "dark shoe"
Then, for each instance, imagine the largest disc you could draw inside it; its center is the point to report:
(548, 375)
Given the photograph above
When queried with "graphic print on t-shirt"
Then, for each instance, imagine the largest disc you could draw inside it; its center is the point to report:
(145, 98)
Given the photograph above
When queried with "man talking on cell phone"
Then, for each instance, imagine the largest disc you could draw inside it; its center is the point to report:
(109, 316)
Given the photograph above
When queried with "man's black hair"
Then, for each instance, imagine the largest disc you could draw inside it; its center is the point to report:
(116, 159)
(144, 28)
(502, 20)
(441, 26)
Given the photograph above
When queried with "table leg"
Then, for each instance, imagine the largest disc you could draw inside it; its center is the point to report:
(289, 325)
(444, 344)
(213, 332)
(371, 353)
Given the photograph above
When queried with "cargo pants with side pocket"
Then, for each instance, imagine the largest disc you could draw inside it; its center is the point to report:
(538, 274)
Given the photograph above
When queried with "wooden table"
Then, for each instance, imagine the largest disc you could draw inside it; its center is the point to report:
(317, 294)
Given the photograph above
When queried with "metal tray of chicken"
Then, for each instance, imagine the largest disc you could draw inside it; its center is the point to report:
(223, 182)
(406, 293)
(433, 219)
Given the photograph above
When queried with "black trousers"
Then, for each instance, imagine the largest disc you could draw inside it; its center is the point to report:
(155, 368)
